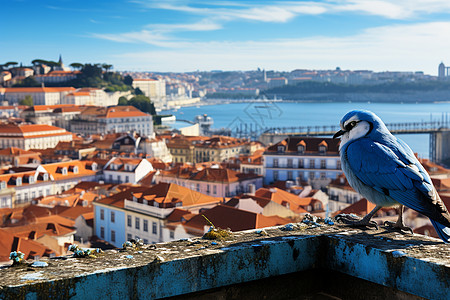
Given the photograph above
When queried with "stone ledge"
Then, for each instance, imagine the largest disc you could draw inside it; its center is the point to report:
(408, 263)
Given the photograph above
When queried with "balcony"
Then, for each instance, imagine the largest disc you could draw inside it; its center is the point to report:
(327, 262)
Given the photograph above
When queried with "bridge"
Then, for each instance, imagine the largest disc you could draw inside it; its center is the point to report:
(439, 131)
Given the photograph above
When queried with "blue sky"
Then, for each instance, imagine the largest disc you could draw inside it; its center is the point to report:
(182, 35)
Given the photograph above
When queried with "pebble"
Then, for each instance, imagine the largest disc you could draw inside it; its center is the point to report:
(398, 253)
(39, 264)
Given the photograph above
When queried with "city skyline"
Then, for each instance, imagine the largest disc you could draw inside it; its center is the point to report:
(183, 36)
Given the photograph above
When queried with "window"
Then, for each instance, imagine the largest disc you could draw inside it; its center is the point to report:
(312, 164)
(129, 221)
(113, 236)
(75, 170)
(311, 175)
(145, 241)
(280, 149)
(19, 198)
(275, 163)
(172, 234)
(3, 185)
(154, 229)
(113, 217)
(127, 178)
(214, 189)
(31, 179)
(301, 164)
(47, 192)
(289, 175)
(275, 175)
(322, 149)
(129, 237)
(338, 165)
(45, 176)
(208, 190)
(19, 181)
(137, 223)
(33, 195)
(102, 214)
(323, 175)
(300, 149)
(102, 232)
(289, 163)
(145, 225)
(198, 187)
(64, 171)
(323, 164)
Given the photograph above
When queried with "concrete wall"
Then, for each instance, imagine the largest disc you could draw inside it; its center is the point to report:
(406, 264)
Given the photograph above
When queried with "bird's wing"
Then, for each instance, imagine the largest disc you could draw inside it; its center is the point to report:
(394, 171)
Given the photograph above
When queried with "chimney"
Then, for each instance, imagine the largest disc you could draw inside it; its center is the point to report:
(251, 189)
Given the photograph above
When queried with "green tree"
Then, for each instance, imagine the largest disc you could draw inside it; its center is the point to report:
(39, 61)
(10, 63)
(138, 91)
(29, 81)
(128, 80)
(123, 101)
(28, 101)
(107, 67)
(143, 103)
(77, 66)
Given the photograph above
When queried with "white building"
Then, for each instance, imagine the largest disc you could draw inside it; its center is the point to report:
(155, 89)
(315, 160)
(126, 170)
(19, 186)
(115, 119)
(141, 212)
(214, 181)
(40, 95)
(32, 136)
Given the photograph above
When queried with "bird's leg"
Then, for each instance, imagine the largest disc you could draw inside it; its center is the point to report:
(358, 222)
(399, 225)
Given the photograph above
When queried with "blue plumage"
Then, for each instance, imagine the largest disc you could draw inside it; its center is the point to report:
(385, 170)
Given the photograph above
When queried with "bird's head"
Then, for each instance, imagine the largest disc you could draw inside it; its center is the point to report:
(357, 124)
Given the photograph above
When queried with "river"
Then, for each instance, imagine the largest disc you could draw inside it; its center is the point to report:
(287, 114)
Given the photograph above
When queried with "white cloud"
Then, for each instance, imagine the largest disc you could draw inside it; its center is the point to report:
(400, 47)
(204, 25)
(283, 11)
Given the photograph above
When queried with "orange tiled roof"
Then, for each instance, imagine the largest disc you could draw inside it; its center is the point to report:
(114, 112)
(39, 89)
(9, 242)
(223, 216)
(31, 130)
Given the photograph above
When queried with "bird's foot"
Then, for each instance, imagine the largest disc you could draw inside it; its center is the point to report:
(398, 226)
(355, 221)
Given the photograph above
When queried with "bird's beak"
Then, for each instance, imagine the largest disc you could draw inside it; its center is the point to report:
(339, 133)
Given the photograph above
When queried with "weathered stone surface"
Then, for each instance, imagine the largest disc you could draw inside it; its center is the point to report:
(187, 266)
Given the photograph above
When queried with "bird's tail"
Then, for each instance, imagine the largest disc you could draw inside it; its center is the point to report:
(442, 231)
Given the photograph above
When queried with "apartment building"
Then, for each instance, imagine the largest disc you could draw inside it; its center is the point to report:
(101, 120)
(310, 159)
(142, 212)
(19, 186)
(214, 181)
(32, 136)
(40, 95)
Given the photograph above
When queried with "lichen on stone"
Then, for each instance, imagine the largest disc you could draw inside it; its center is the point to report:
(17, 257)
(78, 252)
(215, 233)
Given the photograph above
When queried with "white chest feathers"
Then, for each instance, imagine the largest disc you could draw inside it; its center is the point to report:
(360, 130)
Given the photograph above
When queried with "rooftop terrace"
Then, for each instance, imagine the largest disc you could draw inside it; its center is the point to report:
(326, 262)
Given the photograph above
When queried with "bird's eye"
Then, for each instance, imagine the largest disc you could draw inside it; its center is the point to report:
(350, 125)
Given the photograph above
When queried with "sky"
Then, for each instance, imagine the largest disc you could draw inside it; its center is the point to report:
(185, 36)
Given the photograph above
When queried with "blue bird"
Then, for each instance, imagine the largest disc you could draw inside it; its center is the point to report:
(384, 170)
